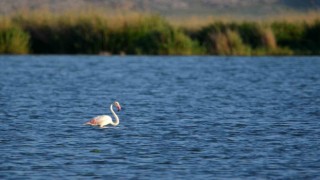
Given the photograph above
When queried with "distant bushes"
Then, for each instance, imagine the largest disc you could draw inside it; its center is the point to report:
(94, 34)
(13, 40)
(62, 35)
(312, 37)
(153, 35)
(239, 39)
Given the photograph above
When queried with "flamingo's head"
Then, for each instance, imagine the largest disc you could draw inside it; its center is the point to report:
(117, 104)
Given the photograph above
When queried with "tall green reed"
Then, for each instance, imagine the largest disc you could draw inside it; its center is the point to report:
(13, 40)
(151, 35)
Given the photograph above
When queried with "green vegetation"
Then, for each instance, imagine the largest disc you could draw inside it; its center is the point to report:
(134, 34)
(240, 39)
(13, 40)
(150, 35)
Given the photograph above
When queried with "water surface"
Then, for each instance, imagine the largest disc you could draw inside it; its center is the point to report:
(182, 118)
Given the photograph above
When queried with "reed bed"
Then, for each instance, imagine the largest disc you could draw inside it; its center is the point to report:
(13, 39)
(135, 34)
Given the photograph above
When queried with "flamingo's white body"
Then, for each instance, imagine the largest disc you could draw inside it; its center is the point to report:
(104, 120)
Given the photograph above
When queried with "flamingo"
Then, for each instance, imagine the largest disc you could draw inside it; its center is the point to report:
(104, 120)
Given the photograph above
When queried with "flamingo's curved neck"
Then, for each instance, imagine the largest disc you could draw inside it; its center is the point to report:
(115, 116)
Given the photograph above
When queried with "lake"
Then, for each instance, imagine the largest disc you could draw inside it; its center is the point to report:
(182, 117)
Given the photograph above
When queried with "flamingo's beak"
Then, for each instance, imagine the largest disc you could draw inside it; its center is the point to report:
(119, 107)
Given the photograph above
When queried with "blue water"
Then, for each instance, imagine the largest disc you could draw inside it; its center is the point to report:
(182, 117)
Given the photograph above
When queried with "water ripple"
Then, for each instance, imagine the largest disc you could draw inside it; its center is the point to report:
(183, 117)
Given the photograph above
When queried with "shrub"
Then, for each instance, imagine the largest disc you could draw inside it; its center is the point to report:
(312, 37)
(227, 43)
(13, 40)
(290, 35)
(151, 35)
(256, 35)
(60, 35)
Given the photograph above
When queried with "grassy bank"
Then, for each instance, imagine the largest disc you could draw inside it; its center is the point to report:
(98, 33)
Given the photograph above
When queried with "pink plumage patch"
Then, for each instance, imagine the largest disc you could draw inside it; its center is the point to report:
(93, 121)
